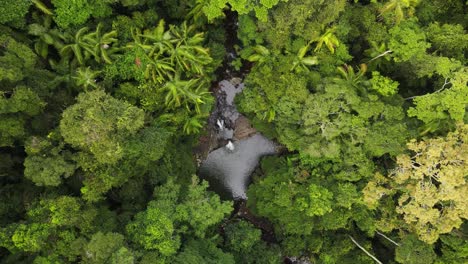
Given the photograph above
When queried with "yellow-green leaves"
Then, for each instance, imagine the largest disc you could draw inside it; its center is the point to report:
(383, 85)
(397, 9)
(319, 201)
(329, 39)
(430, 184)
(302, 62)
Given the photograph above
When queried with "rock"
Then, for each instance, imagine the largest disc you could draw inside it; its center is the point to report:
(243, 128)
(235, 81)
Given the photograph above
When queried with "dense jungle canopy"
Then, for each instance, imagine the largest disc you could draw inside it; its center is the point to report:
(102, 103)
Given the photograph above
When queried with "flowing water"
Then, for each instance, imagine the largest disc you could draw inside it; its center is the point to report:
(239, 146)
(231, 148)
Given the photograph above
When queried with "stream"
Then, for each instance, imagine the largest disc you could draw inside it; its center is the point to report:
(231, 148)
(239, 146)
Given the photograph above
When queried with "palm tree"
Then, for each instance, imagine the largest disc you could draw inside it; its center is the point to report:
(85, 77)
(101, 44)
(190, 58)
(79, 49)
(302, 62)
(260, 55)
(43, 8)
(175, 50)
(156, 46)
(152, 41)
(352, 77)
(397, 8)
(193, 124)
(187, 53)
(329, 39)
(185, 93)
(159, 69)
(196, 15)
(47, 36)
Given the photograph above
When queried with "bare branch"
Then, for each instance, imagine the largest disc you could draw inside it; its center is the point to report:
(365, 251)
(380, 55)
(443, 87)
(388, 238)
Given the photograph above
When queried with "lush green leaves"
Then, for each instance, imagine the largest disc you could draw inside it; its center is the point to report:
(99, 123)
(444, 103)
(14, 11)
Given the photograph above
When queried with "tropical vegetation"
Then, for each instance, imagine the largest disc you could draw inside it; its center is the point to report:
(102, 103)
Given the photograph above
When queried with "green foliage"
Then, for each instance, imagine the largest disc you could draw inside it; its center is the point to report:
(16, 59)
(99, 123)
(31, 238)
(288, 200)
(214, 8)
(123, 255)
(202, 251)
(383, 85)
(63, 218)
(241, 236)
(18, 102)
(446, 104)
(444, 11)
(414, 251)
(21, 100)
(124, 24)
(139, 152)
(449, 40)
(407, 41)
(201, 209)
(397, 9)
(102, 104)
(47, 171)
(74, 13)
(12, 128)
(245, 242)
(14, 11)
(454, 248)
(71, 13)
(46, 163)
(195, 211)
(303, 20)
(107, 248)
(127, 150)
(171, 214)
